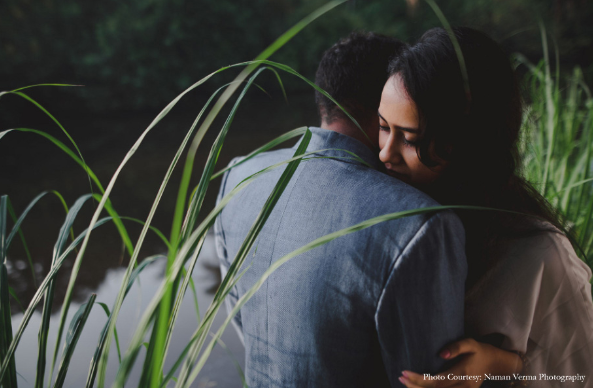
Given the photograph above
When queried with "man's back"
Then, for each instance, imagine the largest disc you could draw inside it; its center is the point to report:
(361, 308)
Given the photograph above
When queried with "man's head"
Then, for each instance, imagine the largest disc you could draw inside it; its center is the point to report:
(353, 71)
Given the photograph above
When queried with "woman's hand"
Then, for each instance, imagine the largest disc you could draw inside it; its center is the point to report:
(475, 360)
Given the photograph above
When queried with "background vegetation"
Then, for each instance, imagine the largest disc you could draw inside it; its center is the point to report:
(139, 54)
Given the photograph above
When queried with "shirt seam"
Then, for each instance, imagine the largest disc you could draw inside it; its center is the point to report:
(398, 258)
(270, 263)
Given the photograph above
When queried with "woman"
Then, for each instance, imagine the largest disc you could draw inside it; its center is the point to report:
(450, 128)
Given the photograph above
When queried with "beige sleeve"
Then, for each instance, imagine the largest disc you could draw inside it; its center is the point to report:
(561, 336)
(539, 298)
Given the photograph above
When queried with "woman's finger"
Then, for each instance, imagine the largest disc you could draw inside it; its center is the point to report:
(468, 345)
(416, 380)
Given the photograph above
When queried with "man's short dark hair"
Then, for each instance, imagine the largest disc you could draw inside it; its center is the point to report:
(353, 71)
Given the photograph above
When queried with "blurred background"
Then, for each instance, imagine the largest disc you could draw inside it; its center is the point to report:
(135, 56)
(139, 54)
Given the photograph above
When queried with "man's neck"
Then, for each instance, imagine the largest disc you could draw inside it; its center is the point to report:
(348, 128)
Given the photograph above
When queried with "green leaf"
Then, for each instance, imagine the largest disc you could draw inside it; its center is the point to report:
(5, 364)
(9, 377)
(76, 326)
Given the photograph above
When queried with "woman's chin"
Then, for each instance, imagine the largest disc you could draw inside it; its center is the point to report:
(402, 177)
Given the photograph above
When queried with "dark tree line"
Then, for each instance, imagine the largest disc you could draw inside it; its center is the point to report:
(141, 53)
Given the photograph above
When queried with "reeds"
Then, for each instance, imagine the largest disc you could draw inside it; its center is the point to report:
(557, 145)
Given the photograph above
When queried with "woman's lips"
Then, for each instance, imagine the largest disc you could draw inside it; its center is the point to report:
(395, 174)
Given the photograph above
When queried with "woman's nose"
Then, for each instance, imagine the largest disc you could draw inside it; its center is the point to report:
(390, 152)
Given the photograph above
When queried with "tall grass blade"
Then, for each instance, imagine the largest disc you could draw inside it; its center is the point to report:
(49, 295)
(184, 376)
(229, 91)
(16, 227)
(184, 252)
(120, 227)
(4, 366)
(36, 86)
(234, 360)
(26, 97)
(266, 147)
(16, 298)
(116, 336)
(99, 349)
(314, 244)
(180, 204)
(76, 326)
(7, 379)
(550, 110)
(457, 48)
(165, 317)
(115, 310)
(18, 223)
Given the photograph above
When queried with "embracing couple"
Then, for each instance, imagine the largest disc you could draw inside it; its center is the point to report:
(439, 299)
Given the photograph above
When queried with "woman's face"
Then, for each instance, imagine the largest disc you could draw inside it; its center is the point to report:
(399, 135)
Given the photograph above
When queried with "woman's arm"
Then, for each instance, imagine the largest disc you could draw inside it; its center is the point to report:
(476, 360)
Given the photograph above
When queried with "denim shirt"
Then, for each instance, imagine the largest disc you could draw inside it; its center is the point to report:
(360, 309)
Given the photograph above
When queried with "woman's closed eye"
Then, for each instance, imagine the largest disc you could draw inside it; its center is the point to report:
(407, 142)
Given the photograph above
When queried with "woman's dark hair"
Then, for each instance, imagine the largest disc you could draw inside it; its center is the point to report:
(472, 122)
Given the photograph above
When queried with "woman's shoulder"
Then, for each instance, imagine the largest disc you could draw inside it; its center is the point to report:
(543, 249)
(537, 278)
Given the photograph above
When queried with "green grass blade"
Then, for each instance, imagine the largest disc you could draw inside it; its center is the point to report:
(185, 274)
(49, 295)
(184, 252)
(4, 366)
(291, 71)
(180, 295)
(550, 110)
(167, 318)
(26, 97)
(314, 244)
(152, 228)
(8, 379)
(457, 48)
(120, 227)
(18, 223)
(214, 307)
(76, 326)
(266, 147)
(234, 360)
(108, 313)
(99, 349)
(16, 298)
(63, 147)
(38, 85)
(115, 311)
(229, 91)
(23, 241)
(180, 204)
(185, 374)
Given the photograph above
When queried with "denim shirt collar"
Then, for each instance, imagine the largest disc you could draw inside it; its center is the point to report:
(322, 139)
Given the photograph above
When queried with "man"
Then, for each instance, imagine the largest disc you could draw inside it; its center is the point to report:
(361, 309)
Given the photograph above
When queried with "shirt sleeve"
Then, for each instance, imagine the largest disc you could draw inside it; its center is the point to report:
(560, 339)
(421, 306)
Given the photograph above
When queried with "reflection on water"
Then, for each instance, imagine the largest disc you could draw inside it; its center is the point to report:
(218, 371)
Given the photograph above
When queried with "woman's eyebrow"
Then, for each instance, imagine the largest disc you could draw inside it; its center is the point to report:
(411, 130)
